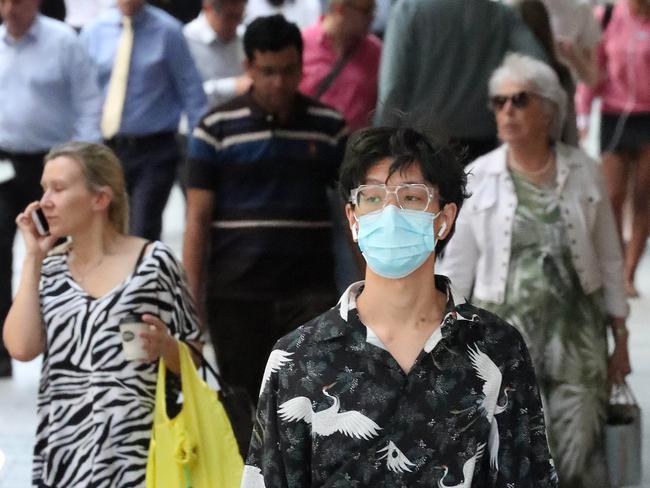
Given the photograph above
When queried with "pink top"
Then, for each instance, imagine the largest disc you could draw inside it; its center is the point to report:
(624, 61)
(354, 91)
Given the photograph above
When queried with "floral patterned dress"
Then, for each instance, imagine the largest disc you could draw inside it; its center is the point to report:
(565, 332)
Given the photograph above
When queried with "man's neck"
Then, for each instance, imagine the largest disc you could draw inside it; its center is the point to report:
(395, 304)
(134, 13)
(16, 33)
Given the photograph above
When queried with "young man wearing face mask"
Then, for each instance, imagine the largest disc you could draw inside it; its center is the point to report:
(396, 385)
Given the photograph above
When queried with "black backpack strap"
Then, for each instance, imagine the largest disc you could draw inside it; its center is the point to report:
(607, 16)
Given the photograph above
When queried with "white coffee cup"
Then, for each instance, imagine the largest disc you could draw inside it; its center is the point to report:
(132, 342)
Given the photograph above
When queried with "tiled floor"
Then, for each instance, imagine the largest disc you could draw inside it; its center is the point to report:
(18, 395)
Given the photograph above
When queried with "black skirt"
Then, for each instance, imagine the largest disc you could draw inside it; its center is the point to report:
(621, 132)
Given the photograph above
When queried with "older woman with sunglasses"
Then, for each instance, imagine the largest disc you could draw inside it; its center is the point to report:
(536, 243)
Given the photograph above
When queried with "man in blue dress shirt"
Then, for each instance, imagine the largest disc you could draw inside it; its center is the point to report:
(49, 95)
(162, 82)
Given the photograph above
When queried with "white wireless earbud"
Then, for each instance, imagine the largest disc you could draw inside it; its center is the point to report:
(355, 233)
(442, 229)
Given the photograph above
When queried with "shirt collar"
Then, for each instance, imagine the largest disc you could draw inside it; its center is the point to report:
(348, 303)
(204, 31)
(31, 34)
(497, 165)
(299, 109)
(115, 15)
(565, 163)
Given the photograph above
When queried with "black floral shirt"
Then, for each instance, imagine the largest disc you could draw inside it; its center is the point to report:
(336, 409)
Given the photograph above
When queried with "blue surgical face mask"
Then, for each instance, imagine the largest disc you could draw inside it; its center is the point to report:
(395, 241)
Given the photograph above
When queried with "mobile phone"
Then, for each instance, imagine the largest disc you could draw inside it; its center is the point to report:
(40, 222)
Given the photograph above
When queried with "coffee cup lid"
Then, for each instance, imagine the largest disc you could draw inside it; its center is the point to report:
(131, 317)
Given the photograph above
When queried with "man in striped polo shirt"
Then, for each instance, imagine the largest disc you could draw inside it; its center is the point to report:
(257, 245)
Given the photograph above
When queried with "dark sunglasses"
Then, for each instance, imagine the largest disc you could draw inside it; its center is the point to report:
(518, 100)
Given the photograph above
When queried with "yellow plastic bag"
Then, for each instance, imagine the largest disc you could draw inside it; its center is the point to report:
(197, 448)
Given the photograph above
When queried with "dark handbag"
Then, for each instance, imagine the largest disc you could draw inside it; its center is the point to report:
(236, 401)
(623, 437)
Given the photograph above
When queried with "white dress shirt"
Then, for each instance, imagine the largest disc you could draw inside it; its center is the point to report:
(80, 12)
(219, 63)
(303, 13)
(49, 89)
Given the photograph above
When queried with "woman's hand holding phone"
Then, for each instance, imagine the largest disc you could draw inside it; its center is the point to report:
(35, 242)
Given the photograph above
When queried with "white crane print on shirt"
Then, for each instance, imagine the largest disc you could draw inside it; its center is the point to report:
(328, 421)
(468, 471)
(396, 461)
(252, 478)
(277, 359)
(487, 371)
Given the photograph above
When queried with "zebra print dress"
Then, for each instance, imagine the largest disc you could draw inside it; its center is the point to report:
(95, 407)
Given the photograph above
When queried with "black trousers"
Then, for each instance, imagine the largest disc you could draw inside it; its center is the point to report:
(15, 194)
(244, 331)
(149, 164)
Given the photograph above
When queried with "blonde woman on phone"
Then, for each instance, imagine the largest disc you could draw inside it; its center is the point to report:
(94, 406)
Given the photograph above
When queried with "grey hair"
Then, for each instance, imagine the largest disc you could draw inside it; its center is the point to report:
(539, 78)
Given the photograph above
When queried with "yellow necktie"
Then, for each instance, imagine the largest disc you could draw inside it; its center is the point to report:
(114, 103)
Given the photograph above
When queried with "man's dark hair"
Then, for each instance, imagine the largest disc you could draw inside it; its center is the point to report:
(439, 164)
(272, 33)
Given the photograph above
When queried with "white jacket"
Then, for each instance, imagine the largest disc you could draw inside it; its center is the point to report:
(478, 255)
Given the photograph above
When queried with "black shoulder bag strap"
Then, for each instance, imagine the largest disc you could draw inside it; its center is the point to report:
(236, 401)
(607, 15)
(327, 81)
